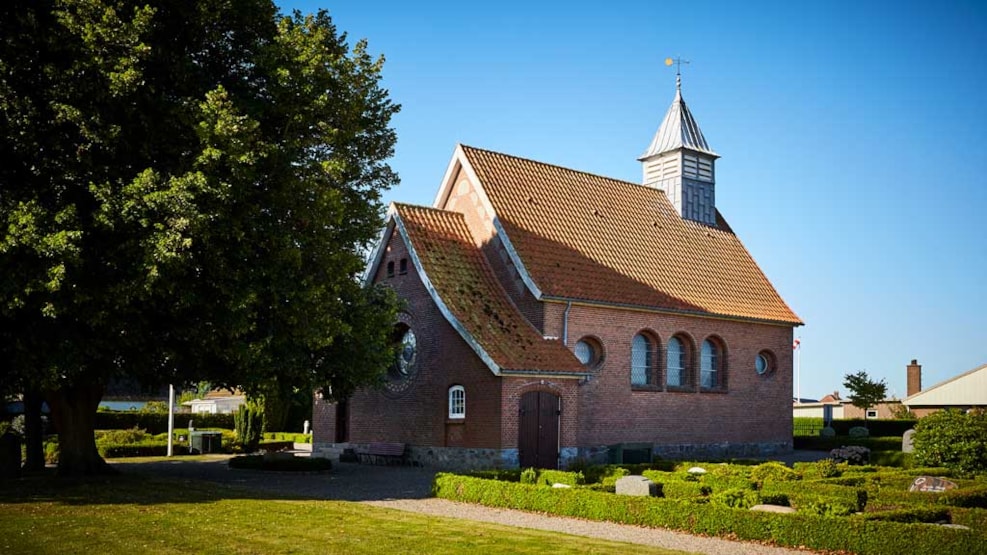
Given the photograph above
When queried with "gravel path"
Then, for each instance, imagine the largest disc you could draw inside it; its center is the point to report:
(409, 489)
(656, 537)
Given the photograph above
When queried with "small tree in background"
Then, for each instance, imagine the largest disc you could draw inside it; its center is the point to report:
(864, 392)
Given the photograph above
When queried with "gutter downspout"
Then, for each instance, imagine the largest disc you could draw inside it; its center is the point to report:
(565, 323)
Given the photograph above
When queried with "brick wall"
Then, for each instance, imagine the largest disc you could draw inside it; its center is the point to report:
(752, 409)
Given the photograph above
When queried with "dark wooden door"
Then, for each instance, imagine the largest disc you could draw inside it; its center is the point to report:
(538, 437)
(342, 421)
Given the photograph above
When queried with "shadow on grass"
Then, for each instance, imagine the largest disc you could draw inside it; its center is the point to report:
(203, 481)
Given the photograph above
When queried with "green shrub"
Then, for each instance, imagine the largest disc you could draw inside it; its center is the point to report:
(51, 450)
(157, 423)
(773, 471)
(132, 435)
(953, 439)
(916, 514)
(775, 499)
(249, 421)
(550, 477)
(829, 508)
(737, 498)
(281, 464)
(287, 436)
(828, 431)
(529, 476)
(503, 474)
(969, 498)
(146, 449)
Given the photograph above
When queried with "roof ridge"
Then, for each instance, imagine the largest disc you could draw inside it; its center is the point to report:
(551, 165)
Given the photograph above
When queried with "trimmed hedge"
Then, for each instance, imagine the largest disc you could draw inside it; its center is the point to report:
(147, 449)
(286, 436)
(157, 423)
(877, 428)
(815, 532)
(885, 443)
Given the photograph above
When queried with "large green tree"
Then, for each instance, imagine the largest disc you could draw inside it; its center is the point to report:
(186, 193)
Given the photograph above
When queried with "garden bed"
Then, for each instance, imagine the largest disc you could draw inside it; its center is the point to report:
(861, 509)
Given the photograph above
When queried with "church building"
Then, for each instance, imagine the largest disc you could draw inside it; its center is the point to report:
(553, 314)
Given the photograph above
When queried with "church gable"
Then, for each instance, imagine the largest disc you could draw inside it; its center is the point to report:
(462, 284)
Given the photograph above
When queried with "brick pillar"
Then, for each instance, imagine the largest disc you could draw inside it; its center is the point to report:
(914, 378)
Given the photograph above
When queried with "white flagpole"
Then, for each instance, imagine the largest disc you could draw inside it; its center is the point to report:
(798, 371)
(171, 416)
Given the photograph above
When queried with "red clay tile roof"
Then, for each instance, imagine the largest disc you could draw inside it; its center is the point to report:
(466, 284)
(583, 236)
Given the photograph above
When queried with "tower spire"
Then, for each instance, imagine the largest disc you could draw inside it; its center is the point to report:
(679, 160)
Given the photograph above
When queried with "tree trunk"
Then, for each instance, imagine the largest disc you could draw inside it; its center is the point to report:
(33, 432)
(74, 412)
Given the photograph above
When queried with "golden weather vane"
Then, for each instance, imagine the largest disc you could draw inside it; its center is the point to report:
(678, 61)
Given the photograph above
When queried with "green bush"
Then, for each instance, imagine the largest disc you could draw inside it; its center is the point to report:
(279, 464)
(550, 477)
(814, 532)
(287, 436)
(916, 514)
(773, 471)
(969, 498)
(529, 476)
(132, 435)
(737, 498)
(157, 423)
(953, 439)
(51, 450)
(248, 421)
(145, 449)
(877, 428)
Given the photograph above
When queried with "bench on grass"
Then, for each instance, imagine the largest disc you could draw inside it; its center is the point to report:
(385, 453)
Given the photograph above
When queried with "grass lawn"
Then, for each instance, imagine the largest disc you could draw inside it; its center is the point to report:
(132, 514)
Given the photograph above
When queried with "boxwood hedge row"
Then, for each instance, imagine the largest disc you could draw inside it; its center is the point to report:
(851, 534)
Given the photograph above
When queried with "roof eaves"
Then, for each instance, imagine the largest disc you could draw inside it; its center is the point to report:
(647, 308)
(443, 308)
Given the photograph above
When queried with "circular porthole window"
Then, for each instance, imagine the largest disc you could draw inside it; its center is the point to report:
(764, 363)
(589, 352)
(405, 366)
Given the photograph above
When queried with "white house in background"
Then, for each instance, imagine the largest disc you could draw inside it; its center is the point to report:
(216, 402)
(964, 392)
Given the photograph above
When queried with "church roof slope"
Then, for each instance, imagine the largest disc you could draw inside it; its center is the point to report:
(466, 285)
(583, 236)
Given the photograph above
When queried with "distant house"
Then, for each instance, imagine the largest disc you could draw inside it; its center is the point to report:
(217, 402)
(964, 392)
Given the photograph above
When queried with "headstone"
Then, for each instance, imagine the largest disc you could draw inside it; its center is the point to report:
(931, 484)
(637, 485)
(773, 509)
(697, 470)
(561, 486)
(907, 443)
(10, 456)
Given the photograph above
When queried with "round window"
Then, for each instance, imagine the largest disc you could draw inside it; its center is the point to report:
(764, 363)
(406, 358)
(584, 352)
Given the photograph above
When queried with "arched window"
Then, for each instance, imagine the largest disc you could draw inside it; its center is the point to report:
(457, 402)
(641, 360)
(675, 367)
(709, 363)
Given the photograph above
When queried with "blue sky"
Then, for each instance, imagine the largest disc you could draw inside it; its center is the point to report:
(852, 136)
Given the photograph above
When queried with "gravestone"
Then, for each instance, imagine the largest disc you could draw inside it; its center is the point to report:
(772, 509)
(907, 443)
(10, 456)
(931, 484)
(637, 485)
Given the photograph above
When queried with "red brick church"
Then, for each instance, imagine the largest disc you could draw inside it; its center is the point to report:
(553, 314)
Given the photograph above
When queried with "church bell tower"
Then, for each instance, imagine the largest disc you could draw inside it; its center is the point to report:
(680, 162)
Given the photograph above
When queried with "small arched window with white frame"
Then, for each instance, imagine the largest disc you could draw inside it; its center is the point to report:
(457, 402)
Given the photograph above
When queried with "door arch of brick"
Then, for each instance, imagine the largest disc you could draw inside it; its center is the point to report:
(539, 430)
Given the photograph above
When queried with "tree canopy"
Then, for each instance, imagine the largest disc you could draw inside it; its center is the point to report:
(864, 392)
(187, 192)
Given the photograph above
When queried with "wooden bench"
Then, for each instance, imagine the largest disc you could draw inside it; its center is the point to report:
(383, 453)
